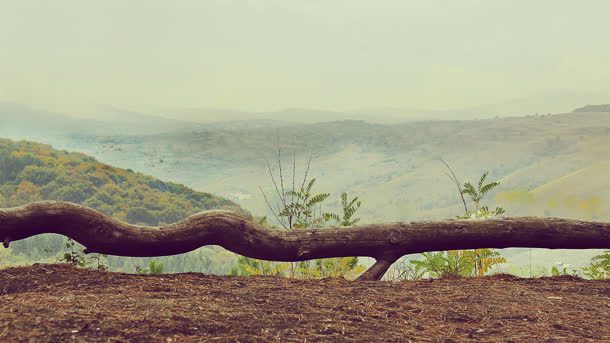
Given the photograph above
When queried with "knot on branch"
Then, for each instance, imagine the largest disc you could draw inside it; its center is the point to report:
(396, 235)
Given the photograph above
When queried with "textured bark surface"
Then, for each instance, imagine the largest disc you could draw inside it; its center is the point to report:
(231, 230)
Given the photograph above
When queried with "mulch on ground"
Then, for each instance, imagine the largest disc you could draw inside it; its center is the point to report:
(58, 303)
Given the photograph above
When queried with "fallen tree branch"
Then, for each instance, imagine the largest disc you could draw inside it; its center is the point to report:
(233, 231)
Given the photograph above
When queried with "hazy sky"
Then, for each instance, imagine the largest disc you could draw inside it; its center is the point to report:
(272, 54)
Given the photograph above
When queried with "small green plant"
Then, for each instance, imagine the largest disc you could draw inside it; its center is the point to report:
(249, 266)
(476, 262)
(404, 270)
(477, 194)
(446, 263)
(98, 261)
(345, 267)
(562, 269)
(482, 259)
(458, 262)
(5, 257)
(349, 208)
(298, 208)
(154, 267)
(141, 271)
(482, 213)
(599, 267)
(76, 257)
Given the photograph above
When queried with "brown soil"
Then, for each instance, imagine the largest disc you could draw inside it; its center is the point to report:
(57, 303)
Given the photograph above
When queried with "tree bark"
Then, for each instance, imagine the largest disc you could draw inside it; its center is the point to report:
(233, 231)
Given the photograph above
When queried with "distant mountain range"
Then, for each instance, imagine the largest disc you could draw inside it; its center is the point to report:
(22, 120)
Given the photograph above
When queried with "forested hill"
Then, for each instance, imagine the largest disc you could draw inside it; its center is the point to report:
(32, 171)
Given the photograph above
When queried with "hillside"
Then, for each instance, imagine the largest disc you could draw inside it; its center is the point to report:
(24, 122)
(52, 303)
(594, 108)
(394, 168)
(31, 171)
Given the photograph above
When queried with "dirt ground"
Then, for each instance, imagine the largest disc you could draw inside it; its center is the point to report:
(57, 303)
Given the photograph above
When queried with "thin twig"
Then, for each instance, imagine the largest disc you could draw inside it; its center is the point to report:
(277, 190)
(294, 171)
(306, 171)
(271, 208)
(457, 183)
(279, 163)
(304, 180)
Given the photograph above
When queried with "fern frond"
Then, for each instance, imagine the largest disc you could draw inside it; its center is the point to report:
(309, 186)
(488, 187)
(469, 190)
(317, 199)
(482, 179)
(293, 193)
(331, 216)
(344, 199)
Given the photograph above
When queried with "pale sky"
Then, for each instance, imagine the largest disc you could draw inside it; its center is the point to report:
(273, 54)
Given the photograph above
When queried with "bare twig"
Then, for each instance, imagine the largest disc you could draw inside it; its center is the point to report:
(271, 208)
(277, 189)
(294, 171)
(279, 164)
(457, 183)
(304, 178)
